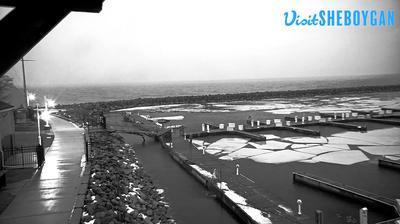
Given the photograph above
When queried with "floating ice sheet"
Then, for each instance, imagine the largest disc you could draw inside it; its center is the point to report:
(283, 156)
(228, 144)
(213, 151)
(381, 150)
(342, 157)
(316, 150)
(309, 140)
(299, 146)
(171, 118)
(270, 136)
(197, 142)
(337, 140)
(387, 136)
(270, 145)
(393, 157)
(246, 152)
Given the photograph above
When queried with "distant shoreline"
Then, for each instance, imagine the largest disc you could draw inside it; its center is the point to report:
(211, 98)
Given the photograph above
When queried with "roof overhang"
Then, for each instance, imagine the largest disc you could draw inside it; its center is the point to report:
(30, 21)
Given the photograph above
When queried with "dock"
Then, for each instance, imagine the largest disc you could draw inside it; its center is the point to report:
(335, 124)
(284, 128)
(244, 134)
(389, 163)
(347, 191)
(392, 109)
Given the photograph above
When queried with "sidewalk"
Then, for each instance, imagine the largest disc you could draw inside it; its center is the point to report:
(49, 197)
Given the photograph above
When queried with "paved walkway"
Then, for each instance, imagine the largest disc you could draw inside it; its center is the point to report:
(50, 195)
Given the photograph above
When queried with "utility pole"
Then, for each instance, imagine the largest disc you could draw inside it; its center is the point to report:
(23, 75)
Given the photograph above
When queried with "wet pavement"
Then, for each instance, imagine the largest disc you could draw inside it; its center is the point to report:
(49, 196)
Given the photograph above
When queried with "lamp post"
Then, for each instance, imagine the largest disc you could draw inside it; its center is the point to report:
(38, 123)
(46, 111)
(23, 76)
(31, 97)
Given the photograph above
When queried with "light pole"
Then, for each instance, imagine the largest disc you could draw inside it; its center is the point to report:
(31, 97)
(23, 76)
(46, 111)
(38, 123)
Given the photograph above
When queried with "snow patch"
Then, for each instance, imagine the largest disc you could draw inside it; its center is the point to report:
(202, 171)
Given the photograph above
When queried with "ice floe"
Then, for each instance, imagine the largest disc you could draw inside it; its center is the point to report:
(381, 150)
(387, 136)
(228, 144)
(270, 136)
(316, 150)
(270, 145)
(283, 156)
(339, 140)
(393, 157)
(245, 152)
(309, 140)
(213, 151)
(198, 142)
(299, 146)
(171, 118)
(342, 157)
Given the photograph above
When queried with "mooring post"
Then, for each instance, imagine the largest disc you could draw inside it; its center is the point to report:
(237, 169)
(364, 215)
(319, 217)
(299, 202)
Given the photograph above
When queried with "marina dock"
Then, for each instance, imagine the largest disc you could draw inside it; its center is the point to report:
(347, 191)
(335, 124)
(389, 163)
(244, 134)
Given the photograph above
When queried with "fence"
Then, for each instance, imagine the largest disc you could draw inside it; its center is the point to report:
(24, 156)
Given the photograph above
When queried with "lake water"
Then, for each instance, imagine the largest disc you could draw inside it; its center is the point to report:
(81, 94)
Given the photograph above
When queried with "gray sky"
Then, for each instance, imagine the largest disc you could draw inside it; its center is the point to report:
(134, 41)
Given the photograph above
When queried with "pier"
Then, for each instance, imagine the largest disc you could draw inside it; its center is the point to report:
(392, 109)
(347, 191)
(335, 124)
(244, 134)
(389, 163)
(285, 128)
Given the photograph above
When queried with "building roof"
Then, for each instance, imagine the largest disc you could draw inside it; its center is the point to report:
(5, 106)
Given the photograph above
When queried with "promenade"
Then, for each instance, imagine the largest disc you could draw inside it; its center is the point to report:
(50, 195)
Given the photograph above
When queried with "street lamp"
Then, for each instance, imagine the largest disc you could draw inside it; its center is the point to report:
(46, 114)
(31, 97)
(38, 123)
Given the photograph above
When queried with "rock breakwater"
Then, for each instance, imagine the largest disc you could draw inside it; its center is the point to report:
(119, 190)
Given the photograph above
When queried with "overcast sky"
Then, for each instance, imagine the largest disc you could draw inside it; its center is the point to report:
(134, 41)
